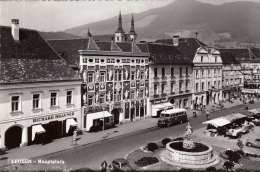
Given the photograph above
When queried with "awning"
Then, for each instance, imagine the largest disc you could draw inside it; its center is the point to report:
(70, 123)
(254, 111)
(172, 111)
(163, 106)
(37, 129)
(234, 116)
(217, 122)
(97, 115)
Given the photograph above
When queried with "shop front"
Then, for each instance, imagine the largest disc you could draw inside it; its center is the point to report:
(98, 121)
(38, 130)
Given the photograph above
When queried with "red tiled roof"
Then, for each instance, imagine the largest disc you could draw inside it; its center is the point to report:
(31, 59)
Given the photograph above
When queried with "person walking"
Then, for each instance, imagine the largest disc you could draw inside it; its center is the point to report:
(104, 166)
(74, 137)
(207, 115)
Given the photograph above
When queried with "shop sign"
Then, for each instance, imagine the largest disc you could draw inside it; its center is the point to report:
(54, 116)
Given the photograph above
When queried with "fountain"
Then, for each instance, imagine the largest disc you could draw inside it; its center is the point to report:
(189, 154)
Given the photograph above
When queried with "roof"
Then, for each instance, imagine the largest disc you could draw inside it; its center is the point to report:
(243, 54)
(31, 59)
(228, 57)
(234, 116)
(217, 122)
(68, 48)
(163, 105)
(166, 54)
(187, 46)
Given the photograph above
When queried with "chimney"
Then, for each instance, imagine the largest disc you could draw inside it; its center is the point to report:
(175, 40)
(15, 29)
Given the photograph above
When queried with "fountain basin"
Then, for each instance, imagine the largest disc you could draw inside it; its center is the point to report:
(200, 156)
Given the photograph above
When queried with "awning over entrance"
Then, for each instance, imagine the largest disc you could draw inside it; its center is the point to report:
(254, 111)
(217, 122)
(234, 116)
(70, 123)
(97, 115)
(37, 129)
(161, 106)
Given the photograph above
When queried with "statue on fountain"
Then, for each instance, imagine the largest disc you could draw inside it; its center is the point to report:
(188, 142)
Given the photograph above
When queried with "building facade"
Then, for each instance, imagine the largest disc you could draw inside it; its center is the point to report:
(40, 94)
(115, 79)
(232, 76)
(206, 69)
(169, 79)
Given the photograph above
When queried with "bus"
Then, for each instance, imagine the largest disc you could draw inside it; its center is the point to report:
(172, 117)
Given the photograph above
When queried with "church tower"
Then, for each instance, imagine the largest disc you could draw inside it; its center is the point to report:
(119, 34)
(132, 33)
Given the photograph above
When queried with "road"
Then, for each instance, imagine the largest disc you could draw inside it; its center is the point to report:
(92, 155)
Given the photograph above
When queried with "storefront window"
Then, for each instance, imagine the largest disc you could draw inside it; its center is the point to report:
(36, 101)
(15, 103)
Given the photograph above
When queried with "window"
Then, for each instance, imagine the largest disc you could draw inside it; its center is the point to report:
(216, 59)
(172, 72)
(90, 60)
(116, 75)
(202, 86)
(163, 88)
(202, 73)
(187, 71)
(90, 100)
(69, 97)
(142, 74)
(180, 72)
(15, 103)
(218, 84)
(180, 86)
(209, 84)
(209, 73)
(102, 98)
(102, 60)
(187, 85)
(172, 87)
(119, 75)
(201, 58)
(163, 72)
(53, 99)
(197, 73)
(132, 94)
(96, 60)
(197, 87)
(90, 77)
(155, 72)
(215, 84)
(132, 75)
(102, 76)
(156, 89)
(36, 101)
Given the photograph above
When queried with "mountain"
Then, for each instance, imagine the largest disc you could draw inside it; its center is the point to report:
(58, 35)
(235, 21)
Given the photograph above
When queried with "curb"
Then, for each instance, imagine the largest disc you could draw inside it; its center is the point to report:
(87, 144)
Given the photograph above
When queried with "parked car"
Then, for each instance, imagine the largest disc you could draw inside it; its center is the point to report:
(235, 132)
(253, 143)
(121, 164)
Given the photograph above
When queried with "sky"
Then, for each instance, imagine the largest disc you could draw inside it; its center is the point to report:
(58, 15)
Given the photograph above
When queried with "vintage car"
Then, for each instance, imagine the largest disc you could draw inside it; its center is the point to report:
(121, 164)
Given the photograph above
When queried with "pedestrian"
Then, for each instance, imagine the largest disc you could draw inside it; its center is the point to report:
(104, 166)
(74, 137)
(194, 114)
(207, 114)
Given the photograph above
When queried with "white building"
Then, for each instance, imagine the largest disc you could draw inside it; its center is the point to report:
(40, 97)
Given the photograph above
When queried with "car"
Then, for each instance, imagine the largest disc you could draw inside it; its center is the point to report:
(253, 143)
(121, 164)
(235, 132)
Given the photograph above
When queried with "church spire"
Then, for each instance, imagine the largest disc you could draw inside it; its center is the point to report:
(120, 26)
(132, 29)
